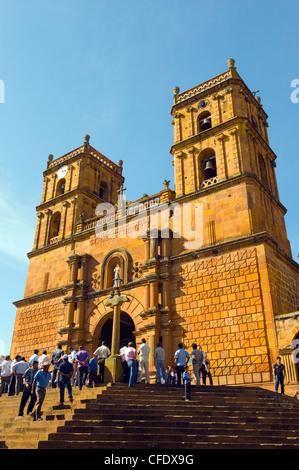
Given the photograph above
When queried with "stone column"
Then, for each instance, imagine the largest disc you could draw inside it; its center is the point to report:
(45, 189)
(65, 206)
(47, 226)
(73, 263)
(40, 216)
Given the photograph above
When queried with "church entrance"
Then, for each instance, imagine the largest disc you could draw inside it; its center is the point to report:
(126, 330)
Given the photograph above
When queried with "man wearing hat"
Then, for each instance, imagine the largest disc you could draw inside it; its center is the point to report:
(65, 372)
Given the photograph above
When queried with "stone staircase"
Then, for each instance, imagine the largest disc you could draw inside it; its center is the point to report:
(22, 433)
(114, 416)
(158, 417)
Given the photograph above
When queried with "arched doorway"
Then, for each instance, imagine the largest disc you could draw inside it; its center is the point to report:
(127, 328)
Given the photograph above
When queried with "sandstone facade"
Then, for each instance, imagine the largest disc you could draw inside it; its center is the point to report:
(225, 293)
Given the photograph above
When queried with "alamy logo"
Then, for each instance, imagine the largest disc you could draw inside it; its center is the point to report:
(152, 219)
(2, 92)
(295, 93)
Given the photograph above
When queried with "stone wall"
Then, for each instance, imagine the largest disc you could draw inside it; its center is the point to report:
(219, 306)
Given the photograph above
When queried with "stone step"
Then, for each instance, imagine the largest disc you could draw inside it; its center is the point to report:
(159, 444)
(172, 430)
(103, 424)
(106, 404)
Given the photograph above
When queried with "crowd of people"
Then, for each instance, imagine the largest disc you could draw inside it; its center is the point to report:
(75, 368)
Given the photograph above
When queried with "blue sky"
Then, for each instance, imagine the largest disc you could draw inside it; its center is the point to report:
(107, 69)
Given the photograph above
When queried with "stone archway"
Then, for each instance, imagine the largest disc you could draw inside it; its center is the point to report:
(100, 314)
(127, 328)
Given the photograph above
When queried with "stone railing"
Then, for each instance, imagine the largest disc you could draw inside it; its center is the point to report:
(209, 182)
(53, 240)
(203, 86)
(92, 152)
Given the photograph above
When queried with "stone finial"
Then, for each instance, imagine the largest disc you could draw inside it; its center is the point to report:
(166, 184)
(50, 159)
(86, 143)
(120, 163)
(231, 63)
(232, 68)
(176, 91)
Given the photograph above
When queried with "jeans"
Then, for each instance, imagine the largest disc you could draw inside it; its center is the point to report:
(145, 365)
(187, 390)
(62, 385)
(160, 370)
(133, 371)
(126, 372)
(82, 375)
(92, 378)
(101, 363)
(26, 395)
(179, 370)
(196, 374)
(279, 380)
(54, 376)
(205, 373)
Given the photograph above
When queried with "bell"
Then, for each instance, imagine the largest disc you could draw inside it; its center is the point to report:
(205, 123)
(209, 169)
(209, 166)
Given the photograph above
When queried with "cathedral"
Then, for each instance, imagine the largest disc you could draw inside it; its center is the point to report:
(235, 292)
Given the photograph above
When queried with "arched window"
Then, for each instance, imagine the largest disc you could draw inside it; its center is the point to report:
(204, 121)
(207, 167)
(263, 171)
(120, 257)
(60, 187)
(54, 226)
(103, 191)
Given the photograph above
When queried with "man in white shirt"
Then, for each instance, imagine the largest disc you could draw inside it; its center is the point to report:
(43, 359)
(34, 357)
(101, 354)
(19, 370)
(5, 373)
(159, 356)
(72, 360)
(143, 353)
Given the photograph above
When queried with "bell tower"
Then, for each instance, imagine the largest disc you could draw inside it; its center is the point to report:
(74, 185)
(222, 157)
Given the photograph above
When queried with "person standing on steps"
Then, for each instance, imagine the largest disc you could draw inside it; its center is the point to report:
(181, 357)
(197, 358)
(43, 358)
(5, 373)
(39, 387)
(28, 378)
(279, 371)
(82, 360)
(187, 383)
(159, 356)
(143, 353)
(34, 357)
(65, 373)
(102, 353)
(56, 359)
(129, 356)
(92, 375)
(19, 370)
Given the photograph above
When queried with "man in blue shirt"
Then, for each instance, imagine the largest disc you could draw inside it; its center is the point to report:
(65, 372)
(181, 357)
(93, 367)
(39, 386)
